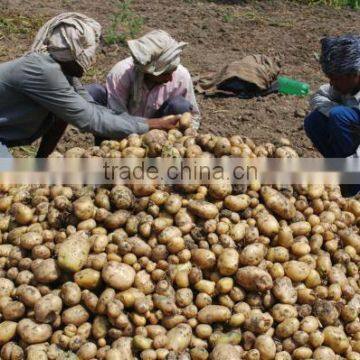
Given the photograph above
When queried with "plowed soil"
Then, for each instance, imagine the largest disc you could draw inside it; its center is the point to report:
(217, 32)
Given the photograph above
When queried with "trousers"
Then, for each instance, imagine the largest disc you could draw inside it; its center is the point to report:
(336, 136)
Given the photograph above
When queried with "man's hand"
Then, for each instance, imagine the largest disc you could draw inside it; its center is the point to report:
(164, 123)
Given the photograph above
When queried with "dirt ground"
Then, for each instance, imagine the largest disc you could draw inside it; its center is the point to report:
(217, 32)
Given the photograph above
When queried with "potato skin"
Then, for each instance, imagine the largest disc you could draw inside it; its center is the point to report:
(278, 203)
(47, 308)
(228, 262)
(33, 333)
(73, 252)
(213, 313)
(203, 209)
(7, 331)
(118, 275)
(179, 338)
(76, 315)
(225, 352)
(254, 279)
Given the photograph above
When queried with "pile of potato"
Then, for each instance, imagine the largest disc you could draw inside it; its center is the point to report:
(198, 272)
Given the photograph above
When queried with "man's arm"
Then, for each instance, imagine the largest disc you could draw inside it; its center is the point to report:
(324, 100)
(51, 138)
(47, 85)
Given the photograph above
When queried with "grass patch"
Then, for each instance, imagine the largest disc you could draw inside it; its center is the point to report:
(15, 24)
(354, 4)
(125, 24)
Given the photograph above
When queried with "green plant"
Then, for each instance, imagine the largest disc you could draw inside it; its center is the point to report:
(228, 16)
(125, 24)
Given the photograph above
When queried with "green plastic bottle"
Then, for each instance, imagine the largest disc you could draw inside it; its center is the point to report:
(289, 86)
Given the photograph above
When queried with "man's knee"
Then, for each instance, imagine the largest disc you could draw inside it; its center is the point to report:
(311, 122)
(339, 113)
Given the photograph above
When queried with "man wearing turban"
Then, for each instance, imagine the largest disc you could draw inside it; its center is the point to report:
(40, 93)
(151, 82)
(334, 123)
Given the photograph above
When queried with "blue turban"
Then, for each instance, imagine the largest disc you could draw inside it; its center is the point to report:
(340, 55)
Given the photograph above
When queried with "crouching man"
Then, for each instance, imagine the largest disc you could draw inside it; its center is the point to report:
(334, 123)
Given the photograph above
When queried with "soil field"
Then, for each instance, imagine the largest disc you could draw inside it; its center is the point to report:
(217, 32)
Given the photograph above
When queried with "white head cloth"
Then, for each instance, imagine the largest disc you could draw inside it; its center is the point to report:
(155, 53)
(68, 37)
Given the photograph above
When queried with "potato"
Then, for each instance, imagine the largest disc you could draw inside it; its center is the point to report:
(48, 308)
(278, 203)
(6, 287)
(203, 209)
(76, 315)
(258, 322)
(267, 223)
(252, 254)
(7, 331)
(266, 346)
(296, 270)
(204, 259)
(87, 351)
(123, 344)
(143, 282)
(133, 152)
(287, 328)
(228, 262)
(238, 231)
(280, 312)
(13, 310)
(30, 239)
(219, 190)
(122, 197)
(153, 141)
(254, 279)
(284, 291)
(118, 275)
(213, 313)
(70, 293)
(350, 238)
(46, 271)
(324, 352)
(28, 295)
(225, 352)
(179, 338)
(88, 278)
(117, 219)
(33, 333)
(185, 121)
(237, 203)
(300, 228)
(73, 252)
(23, 214)
(11, 351)
(173, 204)
(84, 208)
(335, 338)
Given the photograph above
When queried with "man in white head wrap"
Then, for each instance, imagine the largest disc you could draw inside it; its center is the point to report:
(40, 88)
(69, 37)
(152, 82)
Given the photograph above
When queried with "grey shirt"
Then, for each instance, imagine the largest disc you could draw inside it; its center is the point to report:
(327, 97)
(33, 86)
